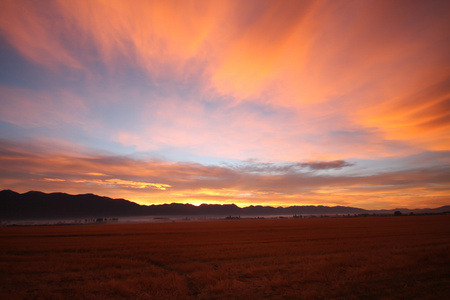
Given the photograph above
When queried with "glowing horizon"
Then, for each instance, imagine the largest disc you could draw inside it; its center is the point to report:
(252, 103)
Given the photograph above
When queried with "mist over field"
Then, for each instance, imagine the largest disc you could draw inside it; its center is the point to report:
(60, 208)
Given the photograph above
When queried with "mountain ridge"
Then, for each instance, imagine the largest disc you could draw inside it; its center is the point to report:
(40, 205)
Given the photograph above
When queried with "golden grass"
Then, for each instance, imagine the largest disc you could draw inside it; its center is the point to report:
(340, 258)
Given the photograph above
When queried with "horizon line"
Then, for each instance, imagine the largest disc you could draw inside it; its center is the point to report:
(223, 204)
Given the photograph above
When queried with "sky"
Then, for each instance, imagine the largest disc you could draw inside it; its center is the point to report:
(249, 102)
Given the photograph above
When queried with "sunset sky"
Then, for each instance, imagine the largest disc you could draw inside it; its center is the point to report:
(248, 102)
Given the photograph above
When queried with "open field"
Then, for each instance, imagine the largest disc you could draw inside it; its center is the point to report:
(341, 258)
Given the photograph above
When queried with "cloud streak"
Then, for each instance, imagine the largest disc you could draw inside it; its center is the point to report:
(245, 183)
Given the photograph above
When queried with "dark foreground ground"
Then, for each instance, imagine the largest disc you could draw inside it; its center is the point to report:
(338, 258)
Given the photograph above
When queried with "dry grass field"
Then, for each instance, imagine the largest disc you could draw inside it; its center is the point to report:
(323, 258)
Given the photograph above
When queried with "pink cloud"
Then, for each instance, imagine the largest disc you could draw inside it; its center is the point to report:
(152, 181)
(29, 108)
(28, 28)
(362, 60)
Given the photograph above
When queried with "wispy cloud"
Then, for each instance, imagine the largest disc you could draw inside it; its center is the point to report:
(119, 183)
(245, 183)
(28, 108)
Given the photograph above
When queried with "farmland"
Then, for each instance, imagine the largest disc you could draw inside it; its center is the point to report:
(341, 258)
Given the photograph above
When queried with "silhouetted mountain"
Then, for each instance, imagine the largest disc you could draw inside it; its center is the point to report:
(38, 205)
(299, 210)
(437, 210)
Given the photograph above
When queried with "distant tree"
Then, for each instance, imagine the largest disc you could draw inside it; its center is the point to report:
(397, 213)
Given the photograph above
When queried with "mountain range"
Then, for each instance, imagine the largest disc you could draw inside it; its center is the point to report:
(39, 205)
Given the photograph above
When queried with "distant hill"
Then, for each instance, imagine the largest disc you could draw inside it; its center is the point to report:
(438, 210)
(38, 205)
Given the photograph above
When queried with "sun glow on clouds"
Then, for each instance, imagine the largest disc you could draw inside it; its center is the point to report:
(120, 183)
(301, 101)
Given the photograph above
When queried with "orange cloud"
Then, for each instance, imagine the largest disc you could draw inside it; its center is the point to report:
(120, 183)
(54, 179)
(421, 118)
(159, 36)
(137, 184)
(152, 181)
(360, 61)
(257, 56)
(29, 29)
